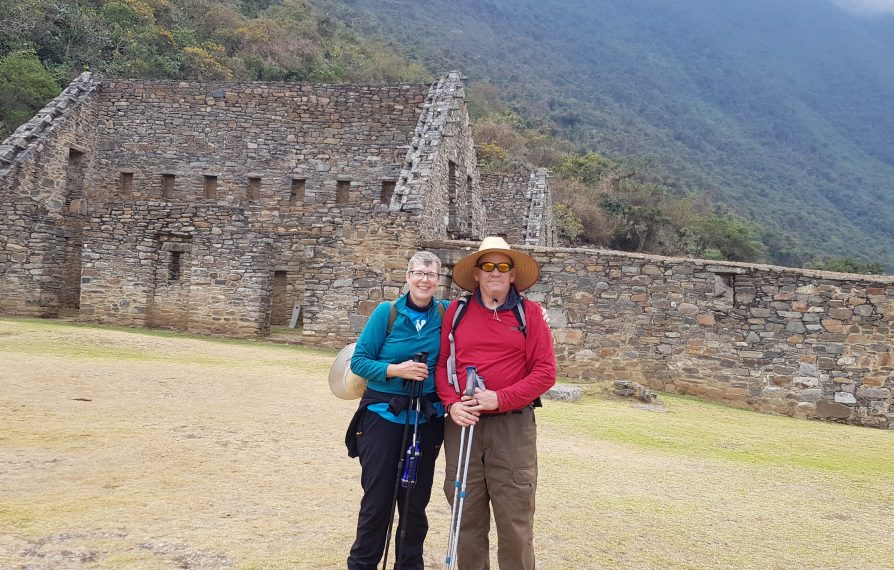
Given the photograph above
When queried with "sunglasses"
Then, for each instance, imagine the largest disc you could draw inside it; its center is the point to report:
(488, 266)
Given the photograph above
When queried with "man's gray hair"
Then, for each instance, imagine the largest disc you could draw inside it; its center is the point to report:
(425, 258)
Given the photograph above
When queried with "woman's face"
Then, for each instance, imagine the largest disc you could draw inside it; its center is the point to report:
(423, 282)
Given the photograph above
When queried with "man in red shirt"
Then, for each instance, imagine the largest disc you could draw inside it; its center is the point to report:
(517, 363)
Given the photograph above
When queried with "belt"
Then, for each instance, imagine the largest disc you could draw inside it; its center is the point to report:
(505, 413)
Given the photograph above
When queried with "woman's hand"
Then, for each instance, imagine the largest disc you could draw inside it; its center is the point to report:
(408, 370)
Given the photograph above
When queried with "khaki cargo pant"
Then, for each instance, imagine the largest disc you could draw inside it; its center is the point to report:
(502, 474)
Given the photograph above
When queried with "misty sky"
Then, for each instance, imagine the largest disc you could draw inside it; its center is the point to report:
(867, 6)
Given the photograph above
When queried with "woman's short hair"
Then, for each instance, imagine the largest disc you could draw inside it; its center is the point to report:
(425, 258)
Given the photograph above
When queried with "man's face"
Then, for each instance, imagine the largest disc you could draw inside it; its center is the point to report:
(494, 284)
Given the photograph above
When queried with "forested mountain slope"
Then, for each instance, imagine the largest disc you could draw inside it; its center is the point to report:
(780, 111)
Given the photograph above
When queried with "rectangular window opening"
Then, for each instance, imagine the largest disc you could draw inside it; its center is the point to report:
(342, 190)
(388, 190)
(125, 184)
(174, 269)
(167, 185)
(296, 195)
(725, 287)
(253, 192)
(209, 189)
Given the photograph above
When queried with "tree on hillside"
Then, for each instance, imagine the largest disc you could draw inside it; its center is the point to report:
(848, 265)
(727, 237)
(25, 87)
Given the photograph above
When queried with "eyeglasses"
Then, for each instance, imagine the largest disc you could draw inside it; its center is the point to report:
(420, 275)
(488, 266)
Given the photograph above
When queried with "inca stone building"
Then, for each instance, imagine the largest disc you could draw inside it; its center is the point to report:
(219, 208)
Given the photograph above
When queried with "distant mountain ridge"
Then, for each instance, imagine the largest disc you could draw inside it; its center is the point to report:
(778, 110)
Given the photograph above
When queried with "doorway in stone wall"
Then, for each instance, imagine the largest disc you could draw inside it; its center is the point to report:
(286, 300)
(70, 298)
(74, 216)
(168, 305)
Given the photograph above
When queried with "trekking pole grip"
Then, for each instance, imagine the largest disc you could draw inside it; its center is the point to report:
(471, 380)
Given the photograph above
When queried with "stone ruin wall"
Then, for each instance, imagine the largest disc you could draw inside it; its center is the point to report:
(539, 220)
(796, 342)
(226, 274)
(276, 133)
(42, 204)
(146, 264)
(801, 343)
(521, 206)
(439, 180)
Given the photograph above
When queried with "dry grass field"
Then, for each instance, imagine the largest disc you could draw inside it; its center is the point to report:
(131, 449)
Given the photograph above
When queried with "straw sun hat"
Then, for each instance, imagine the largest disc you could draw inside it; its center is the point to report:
(344, 383)
(527, 272)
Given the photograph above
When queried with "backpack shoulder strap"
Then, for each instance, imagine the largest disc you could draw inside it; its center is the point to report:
(460, 311)
(392, 316)
(451, 360)
(519, 311)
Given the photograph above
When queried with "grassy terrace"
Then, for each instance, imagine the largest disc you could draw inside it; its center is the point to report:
(124, 448)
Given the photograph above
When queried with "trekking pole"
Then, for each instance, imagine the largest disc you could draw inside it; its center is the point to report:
(462, 462)
(400, 463)
(456, 483)
(411, 461)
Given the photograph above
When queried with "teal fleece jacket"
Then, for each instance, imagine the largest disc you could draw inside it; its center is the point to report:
(375, 351)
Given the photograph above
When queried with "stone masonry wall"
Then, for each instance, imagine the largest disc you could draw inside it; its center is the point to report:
(796, 342)
(519, 207)
(298, 141)
(41, 205)
(540, 229)
(505, 203)
(219, 284)
(439, 179)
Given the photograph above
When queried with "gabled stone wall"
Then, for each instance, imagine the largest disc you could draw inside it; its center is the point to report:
(540, 228)
(42, 207)
(519, 207)
(439, 180)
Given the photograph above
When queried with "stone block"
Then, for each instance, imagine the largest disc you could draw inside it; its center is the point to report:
(845, 398)
(563, 392)
(833, 410)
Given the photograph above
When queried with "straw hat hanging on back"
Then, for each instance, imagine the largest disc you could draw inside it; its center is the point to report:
(344, 383)
(527, 272)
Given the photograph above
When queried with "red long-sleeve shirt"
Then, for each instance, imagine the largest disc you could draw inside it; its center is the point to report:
(517, 368)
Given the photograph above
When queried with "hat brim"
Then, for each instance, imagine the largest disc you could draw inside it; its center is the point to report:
(527, 271)
(344, 383)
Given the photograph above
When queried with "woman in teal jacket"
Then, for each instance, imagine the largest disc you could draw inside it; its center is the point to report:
(386, 360)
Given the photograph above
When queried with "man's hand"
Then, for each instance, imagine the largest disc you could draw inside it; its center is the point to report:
(462, 415)
(483, 400)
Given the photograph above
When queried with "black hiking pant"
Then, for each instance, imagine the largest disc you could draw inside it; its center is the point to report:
(379, 449)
